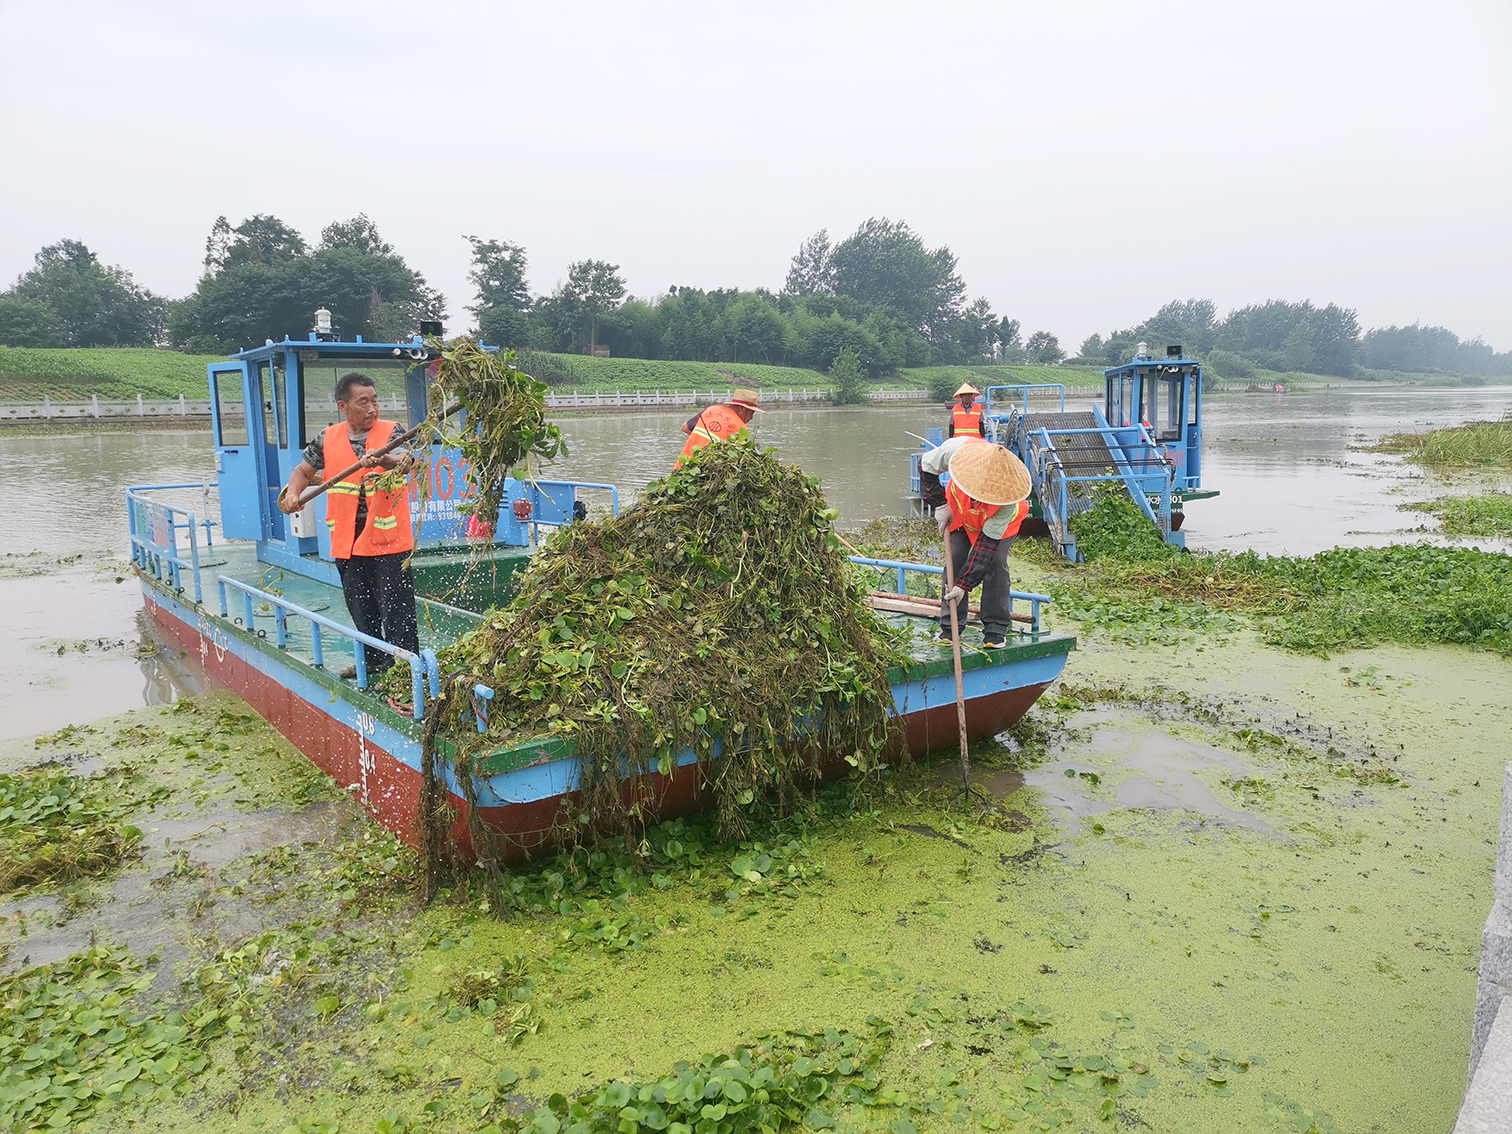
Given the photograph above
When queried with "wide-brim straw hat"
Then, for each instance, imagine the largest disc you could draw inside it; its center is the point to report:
(746, 398)
(966, 388)
(990, 473)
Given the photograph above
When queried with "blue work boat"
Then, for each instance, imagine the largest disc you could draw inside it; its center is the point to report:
(252, 599)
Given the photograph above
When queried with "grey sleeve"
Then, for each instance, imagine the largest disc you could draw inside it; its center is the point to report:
(997, 523)
(314, 453)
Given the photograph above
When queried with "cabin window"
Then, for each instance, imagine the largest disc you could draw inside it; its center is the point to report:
(1173, 385)
(1194, 398)
(269, 404)
(230, 411)
(320, 374)
(280, 405)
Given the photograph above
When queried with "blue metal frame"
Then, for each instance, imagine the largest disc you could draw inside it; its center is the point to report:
(902, 569)
(423, 665)
(155, 555)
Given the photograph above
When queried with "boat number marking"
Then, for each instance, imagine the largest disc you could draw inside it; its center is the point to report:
(212, 637)
(366, 762)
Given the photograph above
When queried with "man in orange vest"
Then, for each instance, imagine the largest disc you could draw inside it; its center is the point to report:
(980, 512)
(371, 539)
(966, 415)
(716, 423)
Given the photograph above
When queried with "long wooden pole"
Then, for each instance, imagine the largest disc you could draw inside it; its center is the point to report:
(315, 490)
(955, 646)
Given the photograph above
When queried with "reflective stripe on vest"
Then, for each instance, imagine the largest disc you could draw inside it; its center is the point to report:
(967, 423)
(973, 514)
(388, 519)
(714, 424)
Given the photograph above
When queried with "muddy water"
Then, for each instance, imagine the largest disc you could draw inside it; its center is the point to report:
(1284, 464)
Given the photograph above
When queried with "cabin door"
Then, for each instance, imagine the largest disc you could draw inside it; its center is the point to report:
(237, 469)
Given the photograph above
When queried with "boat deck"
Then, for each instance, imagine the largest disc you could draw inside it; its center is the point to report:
(441, 623)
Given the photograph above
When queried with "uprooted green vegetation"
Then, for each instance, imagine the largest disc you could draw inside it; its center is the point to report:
(714, 615)
(1476, 444)
(1114, 529)
(504, 426)
(1487, 516)
(57, 828)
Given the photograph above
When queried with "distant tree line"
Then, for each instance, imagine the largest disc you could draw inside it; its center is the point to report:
(1282, 336)
(880, 297)
(880, 294)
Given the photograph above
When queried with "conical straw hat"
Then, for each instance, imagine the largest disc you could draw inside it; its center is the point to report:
(990, 473)
(966, 388)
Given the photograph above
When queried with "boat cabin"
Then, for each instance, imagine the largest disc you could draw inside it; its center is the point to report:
(269, 402)
(1165, 396)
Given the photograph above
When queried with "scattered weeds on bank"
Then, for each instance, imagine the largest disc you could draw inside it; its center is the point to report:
(1476, 444)
(56, 828)
(1488, 516)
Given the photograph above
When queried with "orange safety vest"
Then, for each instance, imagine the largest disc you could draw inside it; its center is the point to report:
(388, 516)
(967, 422)
(716, 423)
(973, 514)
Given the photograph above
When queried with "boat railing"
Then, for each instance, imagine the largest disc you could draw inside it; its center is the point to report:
(989, 410)
(423, 666)
(901, 578)
(154, 528)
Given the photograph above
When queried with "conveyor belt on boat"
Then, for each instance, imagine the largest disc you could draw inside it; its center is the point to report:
(1081, 454)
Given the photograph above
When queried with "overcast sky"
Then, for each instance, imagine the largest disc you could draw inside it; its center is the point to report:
(1086, 160)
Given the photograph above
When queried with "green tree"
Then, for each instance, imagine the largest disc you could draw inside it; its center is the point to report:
(849, 379)
(503, 303)
(93, 304)
(263, 282)
(1297, 350)
(593, 291)
(359, 234)
(26, 323)
(885, 264)
(809, 273)
(1044, 348)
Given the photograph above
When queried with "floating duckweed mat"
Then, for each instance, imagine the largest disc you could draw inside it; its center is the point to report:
(713, 617)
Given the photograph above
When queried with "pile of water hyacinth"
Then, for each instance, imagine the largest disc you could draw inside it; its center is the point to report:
(715, 616)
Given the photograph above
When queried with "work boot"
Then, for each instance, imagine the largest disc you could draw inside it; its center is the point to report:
(994, 641)
(944, 636)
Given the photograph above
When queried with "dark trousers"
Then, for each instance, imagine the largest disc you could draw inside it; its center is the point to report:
(380, 596)
(995, 604)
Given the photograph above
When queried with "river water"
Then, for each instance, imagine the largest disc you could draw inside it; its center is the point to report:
(1286, 465)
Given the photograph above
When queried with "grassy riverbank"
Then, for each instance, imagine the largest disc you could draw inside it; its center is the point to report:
(123, 373)
(111, 373)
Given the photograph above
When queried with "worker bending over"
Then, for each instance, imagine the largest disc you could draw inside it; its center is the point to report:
(716, 423)
(371, 539)
(981, 510)
(966, 414)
